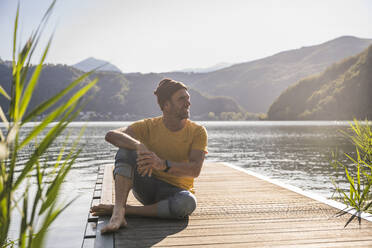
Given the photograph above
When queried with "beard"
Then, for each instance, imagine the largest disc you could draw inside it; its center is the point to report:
(183, 114)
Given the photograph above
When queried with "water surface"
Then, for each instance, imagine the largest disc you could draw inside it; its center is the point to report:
(297, 153)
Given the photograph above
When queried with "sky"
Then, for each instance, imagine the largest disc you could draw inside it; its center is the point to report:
(167, 35)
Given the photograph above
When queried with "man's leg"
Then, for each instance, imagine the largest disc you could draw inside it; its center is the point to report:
(125, 162)
(122, 188)
(178, 205)
(170, 202)
(159, 198)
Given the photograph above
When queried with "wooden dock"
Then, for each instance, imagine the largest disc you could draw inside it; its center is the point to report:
(235, 209)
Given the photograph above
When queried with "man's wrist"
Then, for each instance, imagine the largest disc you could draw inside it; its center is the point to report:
(137, 145)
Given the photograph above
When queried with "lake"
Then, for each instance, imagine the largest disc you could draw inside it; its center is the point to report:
(296, 153)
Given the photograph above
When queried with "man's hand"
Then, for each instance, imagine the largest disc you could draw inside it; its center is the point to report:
(148, 161)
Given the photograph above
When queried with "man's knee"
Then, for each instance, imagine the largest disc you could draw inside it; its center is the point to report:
(125, 161)
(182, 204)
(125, 155)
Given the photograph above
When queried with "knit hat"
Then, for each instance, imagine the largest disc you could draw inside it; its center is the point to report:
(166, 88)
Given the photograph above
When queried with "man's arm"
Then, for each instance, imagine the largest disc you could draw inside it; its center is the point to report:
(187, 169)
(123, 138)
(190, 169)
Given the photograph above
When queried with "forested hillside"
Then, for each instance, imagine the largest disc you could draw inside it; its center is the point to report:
(230, 93)
(116, 96)
(256, 84)
(342, 92)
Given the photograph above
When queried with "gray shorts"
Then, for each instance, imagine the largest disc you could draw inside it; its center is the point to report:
(173, 202)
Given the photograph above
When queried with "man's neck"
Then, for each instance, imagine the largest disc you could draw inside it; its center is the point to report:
(173, 124)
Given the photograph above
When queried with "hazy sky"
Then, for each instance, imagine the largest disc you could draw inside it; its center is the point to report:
(165, 35)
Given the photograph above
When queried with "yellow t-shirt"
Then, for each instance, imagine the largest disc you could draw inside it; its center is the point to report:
(172, 146)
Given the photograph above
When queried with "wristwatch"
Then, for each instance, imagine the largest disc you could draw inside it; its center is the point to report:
(167, 166)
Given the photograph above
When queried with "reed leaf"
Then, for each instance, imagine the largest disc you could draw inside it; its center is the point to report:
(52, 214)
(23, 228)
(360, 185)
(55, 114)
(15, 38)
(53, 100)
(43, 203)
(3, 92)
(33, 81)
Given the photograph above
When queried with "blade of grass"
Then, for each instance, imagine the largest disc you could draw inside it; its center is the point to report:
(76, 97)
(33, 82)
(23, 228)
(3, 92)
(49, 103)
(51, 216)
(15, 37)
(350, 220)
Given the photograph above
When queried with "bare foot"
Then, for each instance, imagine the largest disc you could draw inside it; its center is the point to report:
(117, 220)
(102, 209)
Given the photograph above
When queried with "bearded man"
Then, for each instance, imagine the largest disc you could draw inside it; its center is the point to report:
(158, 159)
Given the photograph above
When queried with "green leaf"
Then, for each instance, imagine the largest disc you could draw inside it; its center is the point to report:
(3, 92)
(53, 189)
(50, 217)
(51, 117)
(50, 102)
(15, 37)
(32, 83)
(23, 228)
(48, 139)
(350, 179)
(350, 220)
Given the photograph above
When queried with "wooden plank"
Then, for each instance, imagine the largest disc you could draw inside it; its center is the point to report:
(88, 243)
(97, 194)
(239, 209)
(107, 186)
(90, 231)
(91, 225)
(105, 240)
(106, 197)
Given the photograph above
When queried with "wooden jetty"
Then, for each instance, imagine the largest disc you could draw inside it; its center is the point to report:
(235, 209)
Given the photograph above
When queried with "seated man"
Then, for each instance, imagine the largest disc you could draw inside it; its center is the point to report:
(158, 159)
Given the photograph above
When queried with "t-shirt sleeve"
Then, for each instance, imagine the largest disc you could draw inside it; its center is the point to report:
(141, 130)
(200, 140)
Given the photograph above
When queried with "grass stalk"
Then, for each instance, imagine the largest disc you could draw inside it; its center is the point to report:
(40, 209)
(358, 173)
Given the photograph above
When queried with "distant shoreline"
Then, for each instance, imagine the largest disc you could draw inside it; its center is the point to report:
(208, 123)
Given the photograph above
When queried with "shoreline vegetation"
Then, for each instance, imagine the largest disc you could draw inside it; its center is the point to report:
(32, 191)
(358, 171)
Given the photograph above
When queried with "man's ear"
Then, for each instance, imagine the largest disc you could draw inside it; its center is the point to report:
(166, 105)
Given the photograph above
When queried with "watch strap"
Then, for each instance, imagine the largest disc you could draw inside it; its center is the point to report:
(167, 166)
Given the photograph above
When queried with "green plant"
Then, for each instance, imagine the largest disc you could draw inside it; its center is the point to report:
(40, 208)
(359, 173)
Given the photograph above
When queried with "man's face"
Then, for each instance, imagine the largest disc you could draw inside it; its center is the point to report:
(179, 105)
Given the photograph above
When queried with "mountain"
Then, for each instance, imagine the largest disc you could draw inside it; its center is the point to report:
(342, 92)
(116, 96)
(207, 69)
(142, 100)
(256, 84)
(92, 63)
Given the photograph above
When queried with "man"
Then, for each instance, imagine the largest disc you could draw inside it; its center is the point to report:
(158, 159)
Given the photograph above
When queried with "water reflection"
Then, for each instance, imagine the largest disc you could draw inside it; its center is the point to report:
(295, 154)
